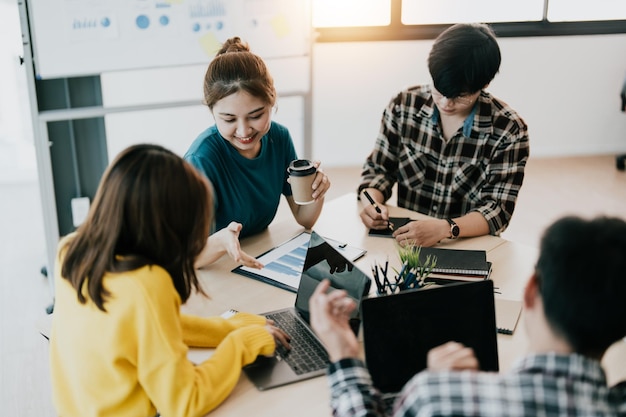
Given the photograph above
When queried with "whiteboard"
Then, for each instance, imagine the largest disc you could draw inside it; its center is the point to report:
(88, 37)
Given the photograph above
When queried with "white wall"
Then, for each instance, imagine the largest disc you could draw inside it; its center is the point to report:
(17, 152)
(176, 127)
(566, 88)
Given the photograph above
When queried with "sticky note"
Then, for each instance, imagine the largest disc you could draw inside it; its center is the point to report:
(280, 25)
(210, 44)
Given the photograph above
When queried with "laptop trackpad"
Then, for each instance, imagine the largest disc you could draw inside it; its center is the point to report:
(269, 372)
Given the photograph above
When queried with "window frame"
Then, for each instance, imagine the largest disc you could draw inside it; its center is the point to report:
(396, 30)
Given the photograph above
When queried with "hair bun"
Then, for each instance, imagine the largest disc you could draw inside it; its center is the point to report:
(234, 44)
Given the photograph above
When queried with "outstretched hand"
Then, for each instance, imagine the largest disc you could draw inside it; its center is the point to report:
(224, 241)
(229, 238)
(330, 315)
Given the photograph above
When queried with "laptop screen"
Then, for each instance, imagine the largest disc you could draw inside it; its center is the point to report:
(323, 261)
(400, 329)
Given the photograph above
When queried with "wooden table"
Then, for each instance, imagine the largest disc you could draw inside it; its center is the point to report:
(512, 263)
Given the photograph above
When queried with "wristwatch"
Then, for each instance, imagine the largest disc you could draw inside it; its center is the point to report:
(454, 229)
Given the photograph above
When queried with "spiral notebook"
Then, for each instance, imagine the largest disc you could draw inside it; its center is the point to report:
(457, 264)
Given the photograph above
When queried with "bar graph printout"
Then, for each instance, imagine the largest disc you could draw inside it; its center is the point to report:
(284, 263)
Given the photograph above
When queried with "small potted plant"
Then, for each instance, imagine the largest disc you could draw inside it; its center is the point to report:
(412, 273)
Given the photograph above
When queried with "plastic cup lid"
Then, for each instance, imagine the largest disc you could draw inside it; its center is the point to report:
(301, 168)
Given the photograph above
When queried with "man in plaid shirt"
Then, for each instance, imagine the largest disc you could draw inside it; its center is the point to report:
(574, 310)
(456, 152)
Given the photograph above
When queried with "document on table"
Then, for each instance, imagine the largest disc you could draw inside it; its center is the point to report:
(284, 263)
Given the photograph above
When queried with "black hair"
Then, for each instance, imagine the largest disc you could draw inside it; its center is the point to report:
(464, 59)
(581, 274)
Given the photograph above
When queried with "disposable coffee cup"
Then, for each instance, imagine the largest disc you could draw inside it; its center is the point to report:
(301, 175)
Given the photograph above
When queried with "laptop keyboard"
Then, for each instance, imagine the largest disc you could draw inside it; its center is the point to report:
(306, 354)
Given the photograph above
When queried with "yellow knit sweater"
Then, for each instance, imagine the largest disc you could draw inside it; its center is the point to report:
(132, 360)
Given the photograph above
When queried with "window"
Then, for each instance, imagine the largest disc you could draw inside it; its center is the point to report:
(329, 13)
(419, 12)
(354, 20)
(585, 10)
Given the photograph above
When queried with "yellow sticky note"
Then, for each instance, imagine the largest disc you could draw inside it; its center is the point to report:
(280, 26)
(210, 44)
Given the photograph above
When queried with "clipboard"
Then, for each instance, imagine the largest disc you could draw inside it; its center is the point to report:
(285, 262)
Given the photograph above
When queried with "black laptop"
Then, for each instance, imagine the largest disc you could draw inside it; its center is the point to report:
(400, 329)
(307, 357)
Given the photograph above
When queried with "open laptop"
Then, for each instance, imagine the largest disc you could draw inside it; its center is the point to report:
(400, 329)
(307, 357)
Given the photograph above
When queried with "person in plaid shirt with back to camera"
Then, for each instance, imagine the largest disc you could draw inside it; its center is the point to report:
(574, 310)
(456, 152)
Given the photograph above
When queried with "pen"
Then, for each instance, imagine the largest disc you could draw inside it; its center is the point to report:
(378, 284)
(371, 200)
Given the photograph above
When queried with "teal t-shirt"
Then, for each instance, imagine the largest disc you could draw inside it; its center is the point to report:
(245, 190)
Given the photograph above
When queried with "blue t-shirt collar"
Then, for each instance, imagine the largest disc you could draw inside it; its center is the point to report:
(467, 124)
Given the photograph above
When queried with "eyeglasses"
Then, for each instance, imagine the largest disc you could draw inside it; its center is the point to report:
(463, 100)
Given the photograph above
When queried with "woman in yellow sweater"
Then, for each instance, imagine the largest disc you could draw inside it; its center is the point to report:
(118, 341)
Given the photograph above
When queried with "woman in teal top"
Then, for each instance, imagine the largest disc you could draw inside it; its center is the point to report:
(248, 189)
(245, 155)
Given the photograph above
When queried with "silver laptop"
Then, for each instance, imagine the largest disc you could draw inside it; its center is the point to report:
(307, 357)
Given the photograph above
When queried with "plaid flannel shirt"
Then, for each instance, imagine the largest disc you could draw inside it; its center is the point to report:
(538, 385)
(481, 168)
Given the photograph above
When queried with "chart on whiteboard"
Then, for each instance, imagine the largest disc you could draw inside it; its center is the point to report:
(86, 37)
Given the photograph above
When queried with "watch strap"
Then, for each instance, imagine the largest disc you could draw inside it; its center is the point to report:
(454, 229)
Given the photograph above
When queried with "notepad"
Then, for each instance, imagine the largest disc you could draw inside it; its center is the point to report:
(507, 315)
(394, 223)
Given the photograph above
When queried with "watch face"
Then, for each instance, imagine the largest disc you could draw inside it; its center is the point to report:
(454, 229)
